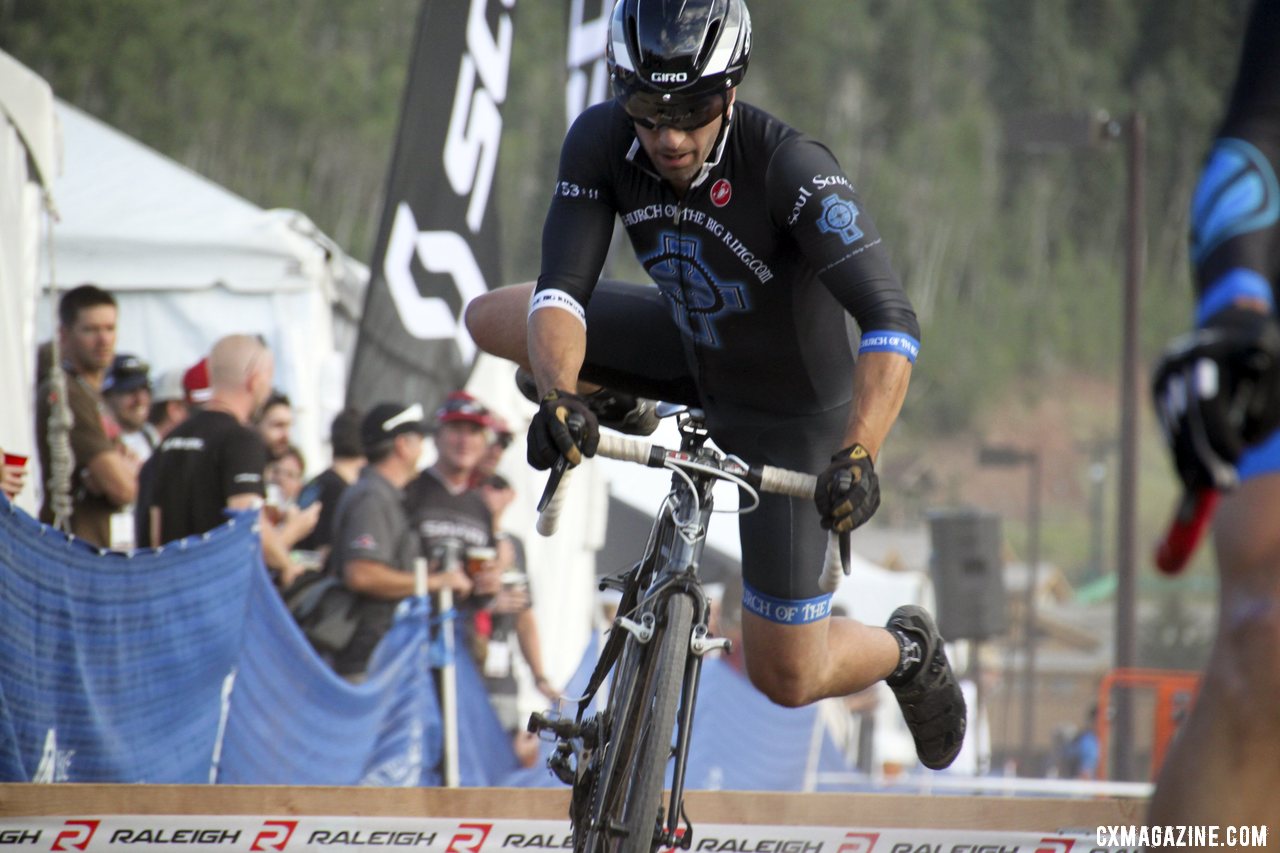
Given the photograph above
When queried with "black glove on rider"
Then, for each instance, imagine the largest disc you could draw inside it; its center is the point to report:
(848, 492)
(1217, 391)
(549, 433)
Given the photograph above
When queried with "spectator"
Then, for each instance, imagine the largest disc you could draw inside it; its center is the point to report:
(328, 486)
(501, 438)
(127, 392)
(274, 423)
(169, 406)
(1080, 757)
(285, 473)
(440, 502)
(104, 479)
(13, 474)
(374, 545)
(214, 461)
(511, 616)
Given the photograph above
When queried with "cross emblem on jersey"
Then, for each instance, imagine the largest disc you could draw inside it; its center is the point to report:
(840, 216)
(695, 295)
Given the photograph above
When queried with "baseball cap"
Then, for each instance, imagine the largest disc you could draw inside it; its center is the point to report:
(168, 386)
(461, 406)
(387, 420)
(195, 382)
(127, 373)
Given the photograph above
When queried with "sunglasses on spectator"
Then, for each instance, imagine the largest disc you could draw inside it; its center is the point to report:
(654, 111)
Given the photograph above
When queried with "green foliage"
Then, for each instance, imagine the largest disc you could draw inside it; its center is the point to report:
(1014, 258)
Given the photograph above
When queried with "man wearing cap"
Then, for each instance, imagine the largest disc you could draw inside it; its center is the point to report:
(374, 546)
(127, 392)
(441, 502)
(169, 405)
(215, 461)
(104, 479)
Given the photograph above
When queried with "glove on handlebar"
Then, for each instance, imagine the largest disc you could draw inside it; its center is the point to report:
(848, 491)
(1217, 391)
(550, 436)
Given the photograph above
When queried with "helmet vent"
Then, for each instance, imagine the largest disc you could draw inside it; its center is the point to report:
(709, 43)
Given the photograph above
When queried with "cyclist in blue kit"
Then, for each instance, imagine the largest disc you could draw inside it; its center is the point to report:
(1217, 393)
(761, 251)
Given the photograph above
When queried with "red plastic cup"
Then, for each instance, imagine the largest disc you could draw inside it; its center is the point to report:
(15, 460)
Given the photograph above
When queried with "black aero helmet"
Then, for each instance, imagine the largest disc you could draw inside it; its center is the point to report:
(677, 52)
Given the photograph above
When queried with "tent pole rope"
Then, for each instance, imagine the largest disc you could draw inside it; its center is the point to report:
(62, 459)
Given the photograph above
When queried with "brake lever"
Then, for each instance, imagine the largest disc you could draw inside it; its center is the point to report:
(575, 423)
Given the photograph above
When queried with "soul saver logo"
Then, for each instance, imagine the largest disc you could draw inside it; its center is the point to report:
(76, 835)
(274, 835)
(469, 838)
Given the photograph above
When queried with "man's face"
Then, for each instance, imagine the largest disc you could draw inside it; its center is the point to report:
(90, 343)
(461, 445)
(274, 427)
(678, 155)
(130, 407)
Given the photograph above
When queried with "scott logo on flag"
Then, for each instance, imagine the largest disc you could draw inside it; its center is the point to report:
(76, 836)
(470, 158)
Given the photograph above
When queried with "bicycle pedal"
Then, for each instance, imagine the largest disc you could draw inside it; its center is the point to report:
(561, 764)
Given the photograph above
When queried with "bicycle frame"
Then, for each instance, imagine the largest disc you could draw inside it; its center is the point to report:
(587, 756)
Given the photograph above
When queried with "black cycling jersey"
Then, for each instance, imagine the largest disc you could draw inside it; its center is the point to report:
(758, 263)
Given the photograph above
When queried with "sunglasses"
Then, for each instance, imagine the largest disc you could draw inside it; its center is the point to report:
(652, 111)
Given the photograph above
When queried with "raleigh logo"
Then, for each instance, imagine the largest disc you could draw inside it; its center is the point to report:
(1055, 845)
(275, 835)
(859, 842)
(669, 77)
(76, 836)
(470, 159)
(469, 838)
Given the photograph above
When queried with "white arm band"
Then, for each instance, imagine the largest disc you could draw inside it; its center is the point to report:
(552, 298)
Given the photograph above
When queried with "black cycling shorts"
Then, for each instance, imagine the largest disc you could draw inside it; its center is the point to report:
(634, 345)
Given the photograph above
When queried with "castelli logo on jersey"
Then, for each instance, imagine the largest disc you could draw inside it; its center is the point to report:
(721, 192)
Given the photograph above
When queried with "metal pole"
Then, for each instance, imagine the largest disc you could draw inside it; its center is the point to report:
(1029, 631)
(1126, 645)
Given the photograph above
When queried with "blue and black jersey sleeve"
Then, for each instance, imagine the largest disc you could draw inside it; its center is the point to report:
(579, 221)
(811, 198)
(1235, 212)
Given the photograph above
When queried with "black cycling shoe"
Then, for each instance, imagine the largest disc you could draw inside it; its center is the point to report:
(625, 413)
(930, 698)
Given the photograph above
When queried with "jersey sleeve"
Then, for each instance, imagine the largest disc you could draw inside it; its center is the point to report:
(244, 459)
(367, 532)
(812, 199)
(579, 221)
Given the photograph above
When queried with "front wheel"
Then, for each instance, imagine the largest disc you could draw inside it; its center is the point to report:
(629, 790)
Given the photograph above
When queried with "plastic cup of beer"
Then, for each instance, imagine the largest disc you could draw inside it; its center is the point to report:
(479, 559)
(15, 460)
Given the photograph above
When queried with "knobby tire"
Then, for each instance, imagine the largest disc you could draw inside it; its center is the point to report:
(628, 802)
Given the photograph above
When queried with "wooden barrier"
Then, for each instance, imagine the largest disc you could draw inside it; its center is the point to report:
(1035, 814)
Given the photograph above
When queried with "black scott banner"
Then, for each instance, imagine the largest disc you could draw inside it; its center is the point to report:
(437, 244)
(588, 76)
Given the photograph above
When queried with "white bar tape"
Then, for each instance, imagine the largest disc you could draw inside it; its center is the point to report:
(783, 482)
(549, 518)
(832, 571)
(625, 449)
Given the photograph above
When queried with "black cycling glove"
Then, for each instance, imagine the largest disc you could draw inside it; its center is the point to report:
(848, 492)
(1217, 391)
(550, 436)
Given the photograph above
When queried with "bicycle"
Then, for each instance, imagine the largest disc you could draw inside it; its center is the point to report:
(616, 759)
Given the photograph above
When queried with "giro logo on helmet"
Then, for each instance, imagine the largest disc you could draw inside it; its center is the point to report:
(669, 76)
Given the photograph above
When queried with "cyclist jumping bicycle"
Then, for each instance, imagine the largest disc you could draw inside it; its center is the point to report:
(761, 250)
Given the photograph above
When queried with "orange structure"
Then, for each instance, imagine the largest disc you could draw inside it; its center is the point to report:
(1172, 692)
